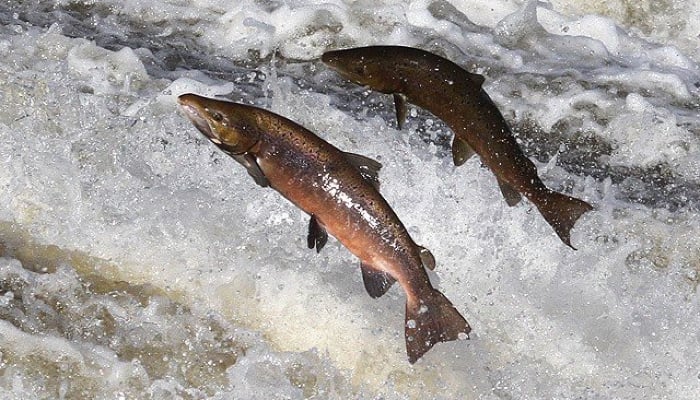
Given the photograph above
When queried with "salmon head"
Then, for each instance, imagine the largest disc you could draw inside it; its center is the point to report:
(227, 124)
(365, 66)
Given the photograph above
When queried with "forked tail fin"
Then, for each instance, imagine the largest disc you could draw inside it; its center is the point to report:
(562, 212)
(433, 319)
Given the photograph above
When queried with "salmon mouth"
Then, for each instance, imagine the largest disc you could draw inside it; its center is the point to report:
(333, 61)
(330, 58)
(195, 114)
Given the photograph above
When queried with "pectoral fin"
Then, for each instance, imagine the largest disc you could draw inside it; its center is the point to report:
(461, 151)
(427, 258)
(317, 236)
(376, 282)
(251, 165)
(511, 195)
(400, 104)
(369, 168)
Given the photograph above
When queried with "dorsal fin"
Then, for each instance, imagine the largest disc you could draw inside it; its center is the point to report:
(369, 168)
(476, 79)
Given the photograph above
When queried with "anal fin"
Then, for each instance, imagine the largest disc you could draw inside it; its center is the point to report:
(509, 193)
(317, 236)
(376, 282)
(461, 151)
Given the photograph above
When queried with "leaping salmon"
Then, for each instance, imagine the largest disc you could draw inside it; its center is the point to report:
(339, 191)
(457, 97)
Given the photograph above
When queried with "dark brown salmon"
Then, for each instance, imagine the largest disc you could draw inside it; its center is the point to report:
(457, 97)
(339, 191)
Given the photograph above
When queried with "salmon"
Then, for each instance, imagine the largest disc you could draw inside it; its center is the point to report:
(457, 97)
(339, 191)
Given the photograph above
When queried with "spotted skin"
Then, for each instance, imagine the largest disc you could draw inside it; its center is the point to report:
(321, 180)
(457, 97)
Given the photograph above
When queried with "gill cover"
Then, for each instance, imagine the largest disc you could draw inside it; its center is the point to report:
(354, 66)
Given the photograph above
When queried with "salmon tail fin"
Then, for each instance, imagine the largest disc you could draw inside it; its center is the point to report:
(431, 320)
(562, 212)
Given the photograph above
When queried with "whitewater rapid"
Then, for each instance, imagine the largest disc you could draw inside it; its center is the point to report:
(140, 262)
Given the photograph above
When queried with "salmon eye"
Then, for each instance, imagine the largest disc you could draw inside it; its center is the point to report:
(216, 116)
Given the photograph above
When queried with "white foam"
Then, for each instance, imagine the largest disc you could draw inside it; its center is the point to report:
(648, 135)
(107, 71)
(674, 21)
(591, 26)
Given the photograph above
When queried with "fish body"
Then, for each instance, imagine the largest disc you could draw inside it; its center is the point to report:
(457, 97)
(339, 191)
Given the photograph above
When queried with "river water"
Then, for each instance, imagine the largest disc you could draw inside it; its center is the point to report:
(138, 261)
